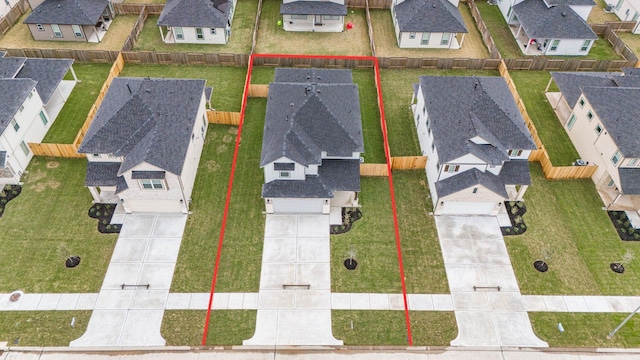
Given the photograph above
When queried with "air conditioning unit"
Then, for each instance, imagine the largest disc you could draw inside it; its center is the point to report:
(361, 160)
(492, 2)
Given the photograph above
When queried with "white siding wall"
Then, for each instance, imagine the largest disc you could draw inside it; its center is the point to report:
(309, 24)
(192, 159)
(137, 199)
(582, 10)
(270, 174)
(191, 38)
(627, 10)
(435, 39)
(426, 140)
(5, 8)
(505, 5)
(568, 47)
(293, 205)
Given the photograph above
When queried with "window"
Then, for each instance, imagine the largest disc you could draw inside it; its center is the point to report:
(433, 147)
(77, 31)
(514, 152)
(475, 190)
(56, 31)
(598, 129)
(213, 31)
(330, 17)
(285, 174)
(585, 45)
(615, 159)
(633, 162)
(199, 34)
(554, 45)
(30, 95)
(619, 4)
(589, 115)
(425, 38)
(152, 184)
(298, 17)
(572, 120)
(581, 102)
(43, 117)
(177, 31)
(96, 155)
(21, 108)
(412, 35)
(39, 27)
(611, 183)
(15, 125)
(445, 39)
(24, 148)
(451, 168)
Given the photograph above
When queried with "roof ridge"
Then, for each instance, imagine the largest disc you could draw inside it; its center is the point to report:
(336, 118)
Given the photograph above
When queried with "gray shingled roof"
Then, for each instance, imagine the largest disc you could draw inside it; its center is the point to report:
(470, 178)
(570, 83)
(515, 172)
(3, 158)
(304, 119)
(47, 72)
(556, 22)
(68, 12)
(100, 173)
(146, 120)
(630, 180)
(138, 175)
(463, 107)
(619, 112)
(313, 8)
(315, 76)
(631, 71)
(195, 13)
(570, 2)
(333, 175)
(437, 16)
(13, 93)
(10, 66)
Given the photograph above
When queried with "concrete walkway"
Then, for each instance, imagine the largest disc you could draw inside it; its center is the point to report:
(477, 263)
(145, 254)
(294, 301)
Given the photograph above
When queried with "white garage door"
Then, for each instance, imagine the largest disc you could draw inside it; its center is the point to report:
(466, 208)
(297, 205)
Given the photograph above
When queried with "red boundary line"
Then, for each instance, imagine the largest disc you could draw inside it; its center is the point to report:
(383, 125)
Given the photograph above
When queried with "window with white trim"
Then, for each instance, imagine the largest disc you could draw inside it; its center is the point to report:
(285, 174)
(633, 162)
(445, 39)
(152, 184)
(585, 45)
(412, 35)
(589, 115)
(56, 30)
(77, 31)
(199, 34)
(43, 117)
(598, 129)
(24, 148)
(475, 190)
(615, 159)
(581, 102)
(554, 45)
(178, 33)
(298, 17)
(514, 152)
(572, 120)
(330, 17)
(451, 168)
(15, 125)
(425, 38)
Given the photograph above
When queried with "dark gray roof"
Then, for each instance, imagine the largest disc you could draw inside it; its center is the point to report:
(100, 173)
(284, 166)
(137, 175)
(47, 72)
(515, 172)
(630, 180)
(570, 83)
(3, 53)
(556, 22)
(570, 2)
(13, 93)
(68, 12)
(315, 76)
(304, 119)
(121, 184)
(208, 91)
(463, 107)
(3, 158)
(631, 71)
(10, 66)
(313, 8)
(146, 120)
(438, 16)
(619, 112)
(333, 175)
(195, 13)
(470, 178)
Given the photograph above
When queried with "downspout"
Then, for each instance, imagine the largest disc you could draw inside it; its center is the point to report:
(183, 201)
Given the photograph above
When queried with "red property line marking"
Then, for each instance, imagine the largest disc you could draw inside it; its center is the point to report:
(387, 152)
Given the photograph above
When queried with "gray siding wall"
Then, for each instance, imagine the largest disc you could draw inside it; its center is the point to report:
(67, 33)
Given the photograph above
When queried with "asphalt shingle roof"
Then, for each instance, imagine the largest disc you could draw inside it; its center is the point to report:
(630, 180)
(13, 93)
(68, 12)
(100, 173)
(570, 2)
(463, 107)
(555, 22)
(137, 175)
(515, 172)
(314, 76)
(146, 120)
(313, 8)
(10, 66)
(304, 119)
(570, 83)
(470, 178)
(437, 16)
(195, 13)
(47, 72)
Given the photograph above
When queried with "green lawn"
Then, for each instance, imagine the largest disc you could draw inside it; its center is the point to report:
(239, 42)
(51, 214)
(389, 327)
(371, 131)
(74, 113)
(531, 85)
(396, 93)
(226, 327)
(42, 328)
(586, 330)
(567, 217)
(227, 82)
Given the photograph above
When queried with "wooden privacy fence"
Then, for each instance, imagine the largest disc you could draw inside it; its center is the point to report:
(258, 90)
(135, 9)
(372, 43)
(541, 155)
(99, 56)
(132, 39)
(56, 150)
(223, 117)
(372, 4)
(494, 53)
(408, 162)
(13, 16)
(437, 63)
(313, 62)
(373, 170)
(169, 58)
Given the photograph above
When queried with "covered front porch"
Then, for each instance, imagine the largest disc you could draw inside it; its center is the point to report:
(97, 33)
(527, 44)
(59, 98)
(560, 106)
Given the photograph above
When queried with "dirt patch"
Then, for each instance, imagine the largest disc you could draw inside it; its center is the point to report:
(227, 138)
(222, 148)
(52, 164)
(233, 130)
(37, 175)
(212, 165)
(42, 186)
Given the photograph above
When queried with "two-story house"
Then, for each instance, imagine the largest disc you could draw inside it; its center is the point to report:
(550, 27)
(197, 21)
(476, 142)
(628, 10)
(314, 16)
(144, 143)
(33, 92)
(600, 112)
(429, 24)
(312, 142)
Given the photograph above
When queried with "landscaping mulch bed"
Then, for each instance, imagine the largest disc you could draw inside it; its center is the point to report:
(104, 213)
(349, 216)
(623, 226)
(515, 210)
(7, 194)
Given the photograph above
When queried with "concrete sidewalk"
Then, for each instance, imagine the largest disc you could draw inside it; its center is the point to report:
(129, 308)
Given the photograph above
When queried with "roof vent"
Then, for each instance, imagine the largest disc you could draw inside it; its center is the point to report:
(291, 104)
(564, 13)
(434, 6)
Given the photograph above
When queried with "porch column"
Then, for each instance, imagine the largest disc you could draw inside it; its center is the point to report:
(94, 193)
(161, 33)
(462, 40)
(518, 32)
(125, 206)
(183, 207)
(73, 73)
(520, 194)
